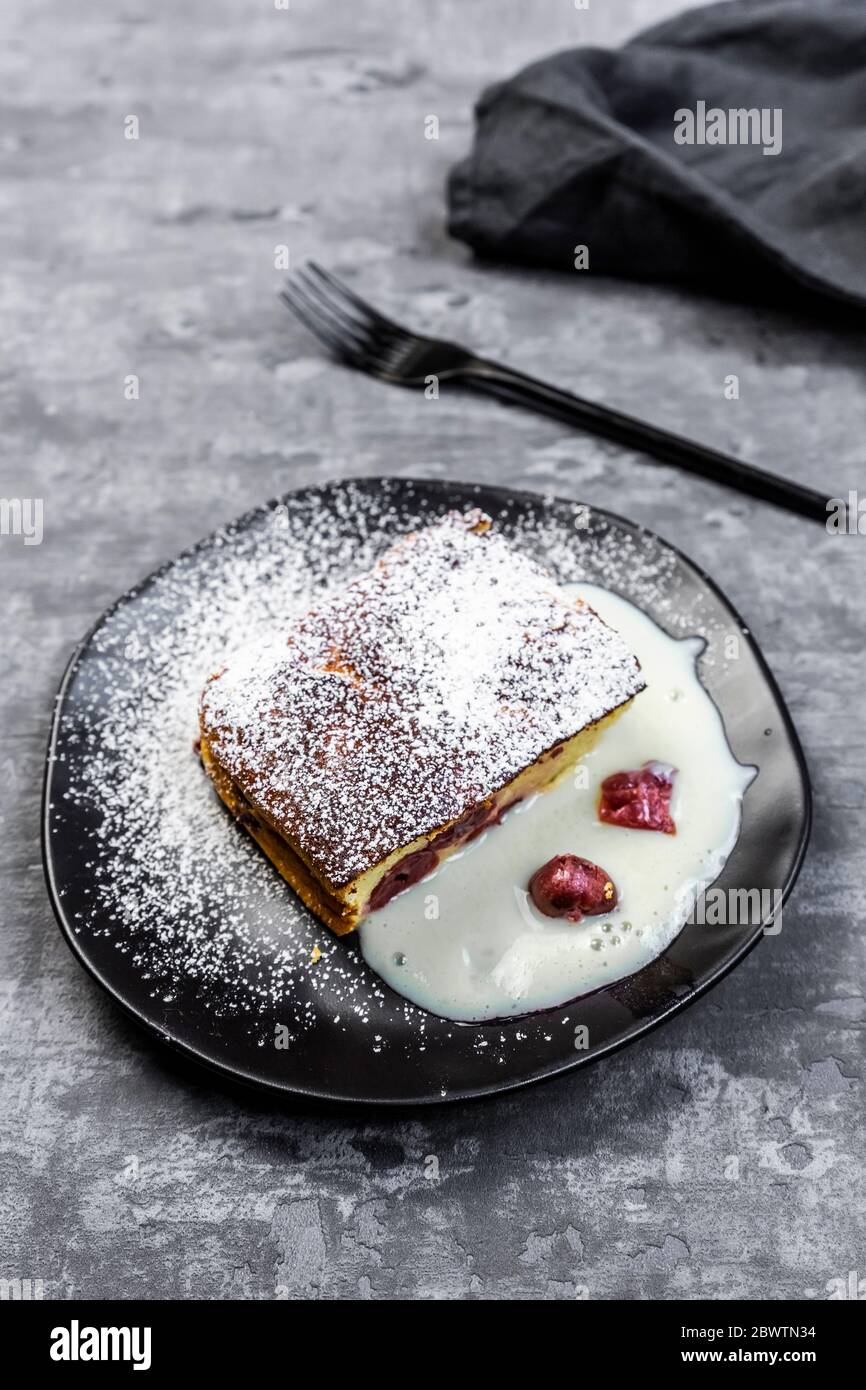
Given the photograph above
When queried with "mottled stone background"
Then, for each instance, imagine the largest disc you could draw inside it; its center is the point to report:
(722, 1156)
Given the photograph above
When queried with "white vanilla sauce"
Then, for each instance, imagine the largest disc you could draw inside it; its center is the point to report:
(468, 943)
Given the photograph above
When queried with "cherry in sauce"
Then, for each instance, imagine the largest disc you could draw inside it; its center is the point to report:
(639, 799)
(570, 887)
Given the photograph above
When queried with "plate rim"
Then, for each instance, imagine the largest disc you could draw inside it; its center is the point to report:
(309, 1094)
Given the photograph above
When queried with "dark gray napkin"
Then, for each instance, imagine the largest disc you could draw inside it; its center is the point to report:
(580, 149)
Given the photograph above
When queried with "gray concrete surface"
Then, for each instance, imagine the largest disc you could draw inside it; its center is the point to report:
(723, 1155)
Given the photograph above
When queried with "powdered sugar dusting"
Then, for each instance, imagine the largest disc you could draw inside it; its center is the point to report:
(420, 688)
(170, 881)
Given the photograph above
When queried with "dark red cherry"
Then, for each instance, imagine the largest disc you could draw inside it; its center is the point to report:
(639, 800)
(473, 825)
(465, 829)
(571, 887)
(404, 874)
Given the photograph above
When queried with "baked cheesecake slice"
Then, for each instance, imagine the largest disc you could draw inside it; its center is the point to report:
(408, 712)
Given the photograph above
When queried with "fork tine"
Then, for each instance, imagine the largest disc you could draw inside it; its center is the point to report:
(381, 337)
(363, 352)
(320, 306)
(371, 314)
(364, 334)
(316, 324)
(351, 328)
(366, 320)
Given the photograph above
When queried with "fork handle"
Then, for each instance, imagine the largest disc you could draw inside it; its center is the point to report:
(519, 389)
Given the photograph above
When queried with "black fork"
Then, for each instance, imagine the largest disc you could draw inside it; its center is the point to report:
(364, 338)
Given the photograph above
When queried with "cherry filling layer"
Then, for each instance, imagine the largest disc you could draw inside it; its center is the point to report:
(413, 867)
(404, 874)
(639, 800)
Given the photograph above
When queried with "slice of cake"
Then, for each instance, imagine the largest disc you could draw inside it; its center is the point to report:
(408, 712)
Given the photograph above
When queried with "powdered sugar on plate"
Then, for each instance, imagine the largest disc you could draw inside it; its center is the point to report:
(169, 878)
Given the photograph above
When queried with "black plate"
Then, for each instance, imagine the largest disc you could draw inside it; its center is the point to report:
(127, 921)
